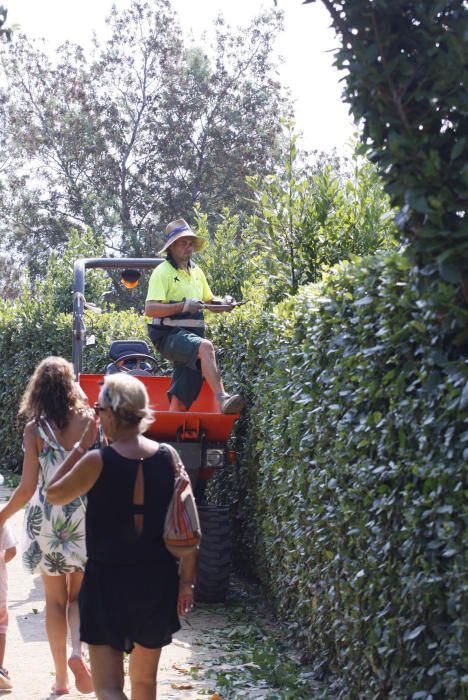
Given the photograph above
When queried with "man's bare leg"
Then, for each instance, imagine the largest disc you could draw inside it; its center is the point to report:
(210, 371)
(176, 404)
(207, 357)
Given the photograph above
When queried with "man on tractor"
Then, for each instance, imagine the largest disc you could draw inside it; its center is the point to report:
(177, 294)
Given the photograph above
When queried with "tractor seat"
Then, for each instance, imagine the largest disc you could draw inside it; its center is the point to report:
(136, 366)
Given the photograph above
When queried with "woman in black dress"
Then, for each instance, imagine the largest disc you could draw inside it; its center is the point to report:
(132, 591)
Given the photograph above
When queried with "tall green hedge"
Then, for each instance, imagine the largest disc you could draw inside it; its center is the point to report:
(28, 333)
(350, 493)
(349, 496)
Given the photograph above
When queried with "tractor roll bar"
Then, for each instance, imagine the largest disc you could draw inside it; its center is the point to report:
(80, 266)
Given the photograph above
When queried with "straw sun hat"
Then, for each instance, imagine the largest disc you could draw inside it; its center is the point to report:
(179, 229)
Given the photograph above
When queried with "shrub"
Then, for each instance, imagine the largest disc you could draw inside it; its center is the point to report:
(350, 486)
(405, 66)
(307, 220)
(28, 333)
(348, 498)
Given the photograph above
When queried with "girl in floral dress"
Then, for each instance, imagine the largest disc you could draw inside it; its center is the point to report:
(54, 536)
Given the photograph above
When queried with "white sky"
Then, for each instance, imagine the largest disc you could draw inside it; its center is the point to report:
(305, 46)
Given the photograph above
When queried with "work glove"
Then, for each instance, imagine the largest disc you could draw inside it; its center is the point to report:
(192, 306)
(228, 299)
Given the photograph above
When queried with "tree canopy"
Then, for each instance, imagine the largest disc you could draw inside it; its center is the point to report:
(406, 82)
(124, 139)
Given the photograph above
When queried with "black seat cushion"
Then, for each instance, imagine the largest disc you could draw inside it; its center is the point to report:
(128, 347)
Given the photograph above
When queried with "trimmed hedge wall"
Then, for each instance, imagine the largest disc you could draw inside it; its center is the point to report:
(351, 487)
(349, 496)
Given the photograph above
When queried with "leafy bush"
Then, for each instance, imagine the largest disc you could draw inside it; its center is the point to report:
(29, 331)
(307, 217)
(405, 65)
(307, 220)
(348, 498)
(349, 494)
(27, 335)
(227, 259)
(55, 290)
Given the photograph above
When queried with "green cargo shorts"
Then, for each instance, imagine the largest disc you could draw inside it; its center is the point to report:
(182, 348)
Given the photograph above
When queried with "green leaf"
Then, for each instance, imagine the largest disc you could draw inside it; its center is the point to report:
(449, 271)
(458, 148)
(464, 397)
(414, 633)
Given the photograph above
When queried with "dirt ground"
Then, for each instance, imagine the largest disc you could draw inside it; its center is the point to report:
(29, 661)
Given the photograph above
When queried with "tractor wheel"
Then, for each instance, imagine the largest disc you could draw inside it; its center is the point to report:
(214, 558)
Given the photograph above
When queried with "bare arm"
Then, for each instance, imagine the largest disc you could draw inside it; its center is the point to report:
(29, 477)
(188, 568)
(157, 309)
(86, 441)
(75, 478)
(187, 578)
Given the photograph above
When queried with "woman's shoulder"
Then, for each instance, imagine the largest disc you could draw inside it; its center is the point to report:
(31, 436)
(80, 415)
(166, 449)
(161, 450)
(146, 449)
(31, 428)
(150, 446)
(169, 454)
(31, 425)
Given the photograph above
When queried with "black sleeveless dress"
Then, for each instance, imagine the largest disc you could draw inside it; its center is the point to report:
(130, 586)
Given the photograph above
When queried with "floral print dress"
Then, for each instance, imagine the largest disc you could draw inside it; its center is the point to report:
(53, 541)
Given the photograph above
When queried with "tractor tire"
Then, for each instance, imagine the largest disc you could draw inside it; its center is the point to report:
(214, 557)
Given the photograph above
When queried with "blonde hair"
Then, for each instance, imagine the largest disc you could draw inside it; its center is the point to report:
(128, 399)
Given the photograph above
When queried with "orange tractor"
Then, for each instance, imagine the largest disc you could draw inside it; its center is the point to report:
(200, 435)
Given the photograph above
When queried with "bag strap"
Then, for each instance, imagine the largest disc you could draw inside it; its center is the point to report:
(176, 462)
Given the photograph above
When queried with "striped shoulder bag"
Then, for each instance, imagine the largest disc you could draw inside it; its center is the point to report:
(182, 532)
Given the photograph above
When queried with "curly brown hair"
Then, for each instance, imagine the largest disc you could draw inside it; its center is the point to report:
(51, 392)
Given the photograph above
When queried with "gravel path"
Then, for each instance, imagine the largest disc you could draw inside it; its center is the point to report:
(28, 657)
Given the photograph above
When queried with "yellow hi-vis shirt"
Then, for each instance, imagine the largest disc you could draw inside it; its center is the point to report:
(168, 283)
